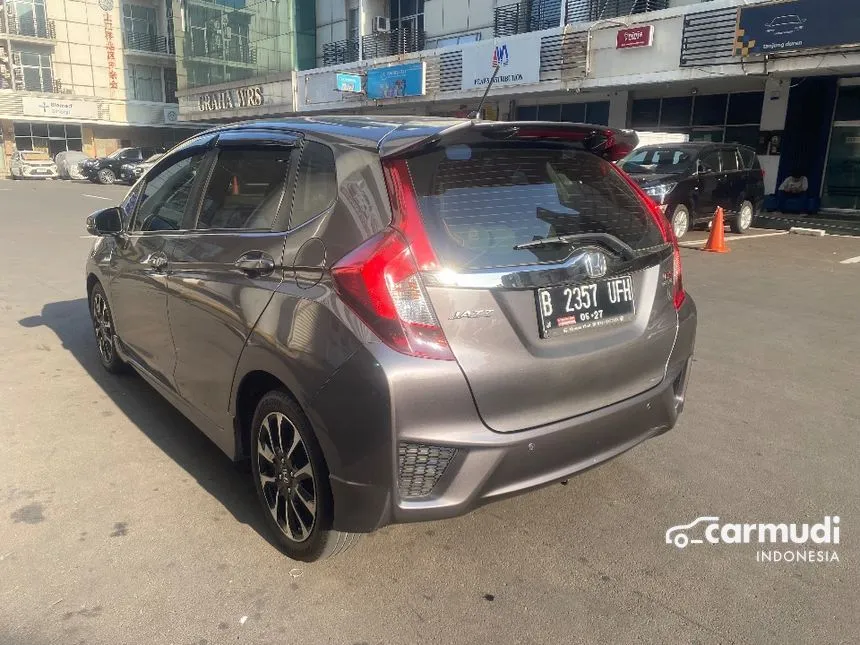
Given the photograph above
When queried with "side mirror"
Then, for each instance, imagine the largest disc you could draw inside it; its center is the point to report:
(105, 222)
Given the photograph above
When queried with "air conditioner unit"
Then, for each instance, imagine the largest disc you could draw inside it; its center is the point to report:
(381, 24)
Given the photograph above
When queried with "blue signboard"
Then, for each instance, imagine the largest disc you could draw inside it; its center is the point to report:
(396, 81)
(349, 83)
(799, 24)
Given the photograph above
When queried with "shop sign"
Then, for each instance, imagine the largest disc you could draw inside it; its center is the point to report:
(642, 36)
(349, 83)
(518, 61)
(110, 49)
(59, 108)
(242, 97)
(800, 24)
(396, 81)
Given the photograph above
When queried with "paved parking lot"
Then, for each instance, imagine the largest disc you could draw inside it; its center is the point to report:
(120, 523)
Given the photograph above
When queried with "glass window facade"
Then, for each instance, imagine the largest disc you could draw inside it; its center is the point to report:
(48, 137)
(144, 83)
(596, 112)
(729, 118)
(234, 40)
(33, 70)
(30, 17)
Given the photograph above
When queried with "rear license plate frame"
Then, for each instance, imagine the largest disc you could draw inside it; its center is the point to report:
(601, 303)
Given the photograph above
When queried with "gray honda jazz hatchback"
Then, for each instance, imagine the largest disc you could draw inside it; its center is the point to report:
(397, 319)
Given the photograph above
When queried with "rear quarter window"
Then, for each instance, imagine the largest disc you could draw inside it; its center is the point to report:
(479, 201)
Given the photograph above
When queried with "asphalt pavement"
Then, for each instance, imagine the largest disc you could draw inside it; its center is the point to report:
(121, 523)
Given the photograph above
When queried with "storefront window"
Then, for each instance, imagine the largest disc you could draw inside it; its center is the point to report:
(48, 137)
(729, 118)
(596, 112)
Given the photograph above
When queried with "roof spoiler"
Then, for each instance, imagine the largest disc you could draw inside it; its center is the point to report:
(610, 143)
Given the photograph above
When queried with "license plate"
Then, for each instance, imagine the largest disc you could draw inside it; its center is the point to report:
(570, 308)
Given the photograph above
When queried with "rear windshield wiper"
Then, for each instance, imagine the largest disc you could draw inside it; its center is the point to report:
(604, 239)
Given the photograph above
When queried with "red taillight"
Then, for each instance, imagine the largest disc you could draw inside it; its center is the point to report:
(678, 293)
(381, 279)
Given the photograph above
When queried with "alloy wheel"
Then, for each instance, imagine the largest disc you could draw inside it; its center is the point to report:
(103, 325)
(680, 222)
(287, 477)
(746, 216)
(106, 176)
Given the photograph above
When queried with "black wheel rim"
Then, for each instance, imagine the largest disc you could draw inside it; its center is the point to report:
(103, 325)
(287, 477)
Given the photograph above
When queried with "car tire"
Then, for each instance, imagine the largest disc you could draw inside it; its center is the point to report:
(103, 326)
(680, 220)
(292, 481)
(106, 176)
(746, 214)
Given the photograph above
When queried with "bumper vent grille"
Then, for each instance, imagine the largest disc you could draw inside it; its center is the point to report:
(421, 467)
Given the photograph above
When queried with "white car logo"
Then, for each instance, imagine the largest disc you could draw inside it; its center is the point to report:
(680, 539)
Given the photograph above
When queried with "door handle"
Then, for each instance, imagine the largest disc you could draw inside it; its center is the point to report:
(255, 263)
(156, 261)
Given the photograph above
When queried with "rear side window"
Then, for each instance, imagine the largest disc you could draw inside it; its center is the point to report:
(316, 186)
(480, 201)
(729, 160)
(245, 189)
(749, 158)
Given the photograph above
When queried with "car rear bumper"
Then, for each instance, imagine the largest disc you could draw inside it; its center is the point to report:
(439, 444)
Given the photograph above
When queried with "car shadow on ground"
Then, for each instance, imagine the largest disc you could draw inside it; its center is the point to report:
(165, 426)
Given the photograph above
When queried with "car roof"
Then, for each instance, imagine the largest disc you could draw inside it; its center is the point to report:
(396, 132)
(391, 135)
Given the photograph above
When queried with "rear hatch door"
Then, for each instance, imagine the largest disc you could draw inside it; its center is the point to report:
(555, 292)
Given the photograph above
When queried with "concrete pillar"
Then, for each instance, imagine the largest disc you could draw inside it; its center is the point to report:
(618, 102)
(773, 113)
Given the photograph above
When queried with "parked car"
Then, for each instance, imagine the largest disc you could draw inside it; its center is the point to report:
(132, 171)
(69, 164)
(690, 180)
(397, 320)
(106, 170)
(30, 164)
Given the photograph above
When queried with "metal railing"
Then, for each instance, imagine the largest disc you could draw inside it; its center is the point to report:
(526, 16)
(31, 28)
(536, 15)
(148, 43)
(591, 10)
(378, 45)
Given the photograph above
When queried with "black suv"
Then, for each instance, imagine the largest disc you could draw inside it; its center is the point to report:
(106, 170)
(690, 180)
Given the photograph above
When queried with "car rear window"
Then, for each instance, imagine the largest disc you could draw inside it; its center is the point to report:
(479, 201)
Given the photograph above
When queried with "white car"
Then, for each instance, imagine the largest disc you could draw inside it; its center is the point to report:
(677, 535)
(784, 25)
(30, 164)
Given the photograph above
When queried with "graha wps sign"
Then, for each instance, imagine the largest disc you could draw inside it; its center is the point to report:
(231, 99)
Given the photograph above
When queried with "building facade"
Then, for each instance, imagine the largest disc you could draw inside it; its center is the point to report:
(778, 76)
(89, 75)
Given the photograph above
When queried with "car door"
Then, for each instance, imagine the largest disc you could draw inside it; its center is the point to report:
(225, 271)
(138, 290)
(733, 180)
(707, 186)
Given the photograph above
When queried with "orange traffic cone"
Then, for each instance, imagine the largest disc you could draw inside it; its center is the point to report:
(234, 186)
(717, 238)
